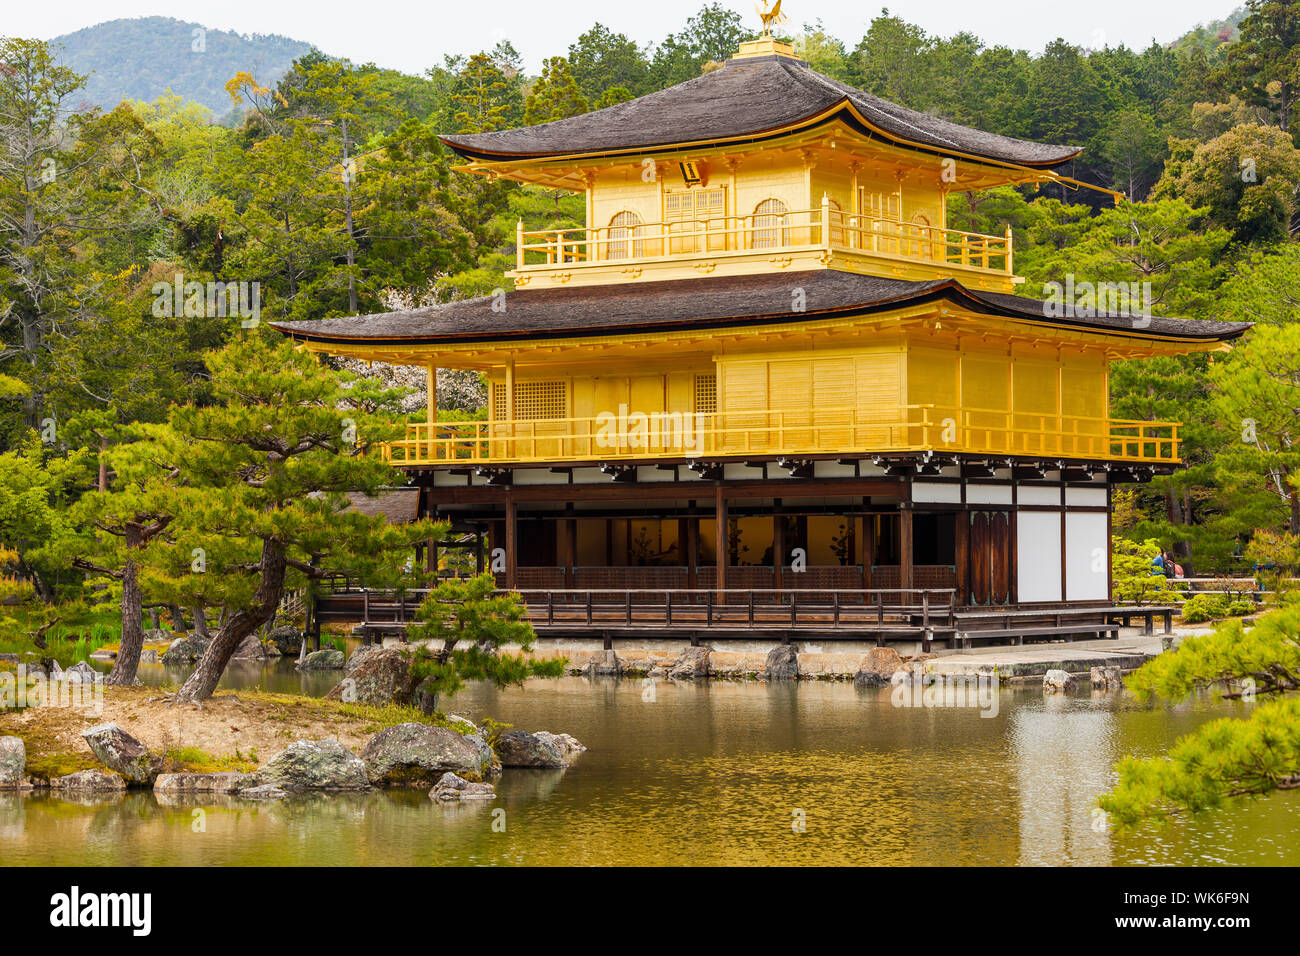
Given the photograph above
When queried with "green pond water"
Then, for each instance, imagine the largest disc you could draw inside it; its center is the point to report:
(716, 773)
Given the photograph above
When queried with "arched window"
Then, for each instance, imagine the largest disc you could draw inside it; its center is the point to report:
(625, 236)
(770, 227)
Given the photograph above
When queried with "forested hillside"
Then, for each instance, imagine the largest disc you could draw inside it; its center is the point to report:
(143, 58)
(333, 195)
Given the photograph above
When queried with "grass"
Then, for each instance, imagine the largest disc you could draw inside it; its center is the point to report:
(196, 760)
(80, 632)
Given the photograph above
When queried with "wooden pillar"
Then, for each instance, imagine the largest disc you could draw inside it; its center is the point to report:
(868, 548)
(905, 571)
(778, 544)
(478, 549)
(570, 550)
(692, 552)
(512, 540)
(961, 555)
(431, 396)
(720, 538)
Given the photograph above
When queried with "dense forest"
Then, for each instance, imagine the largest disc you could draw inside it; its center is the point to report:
(331, 192)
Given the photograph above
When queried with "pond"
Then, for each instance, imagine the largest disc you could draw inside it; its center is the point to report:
(716, 773)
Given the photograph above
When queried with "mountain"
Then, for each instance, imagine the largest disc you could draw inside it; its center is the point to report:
(142, 58)
(1210, 36)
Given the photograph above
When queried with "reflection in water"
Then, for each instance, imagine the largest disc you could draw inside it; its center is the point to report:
(1064, 748)
(712, 774)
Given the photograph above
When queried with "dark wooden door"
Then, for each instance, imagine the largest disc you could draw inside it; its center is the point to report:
(990, 557)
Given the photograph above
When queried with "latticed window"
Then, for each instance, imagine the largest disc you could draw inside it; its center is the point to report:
(625, 236)
(770, 227)
(539, 400)
(534, 401)
(706, 394)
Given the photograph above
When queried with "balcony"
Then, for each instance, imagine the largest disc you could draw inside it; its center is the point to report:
(730, 245)
(805, 432)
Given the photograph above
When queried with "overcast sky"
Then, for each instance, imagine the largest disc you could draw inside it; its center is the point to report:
(411, 35)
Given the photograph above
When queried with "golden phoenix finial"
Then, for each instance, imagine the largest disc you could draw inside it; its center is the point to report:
(771, 17)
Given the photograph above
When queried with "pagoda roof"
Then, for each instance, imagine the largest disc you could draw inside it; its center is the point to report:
(710, 302)
(747, 99)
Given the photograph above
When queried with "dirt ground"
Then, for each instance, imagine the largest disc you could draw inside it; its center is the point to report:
(247, 726)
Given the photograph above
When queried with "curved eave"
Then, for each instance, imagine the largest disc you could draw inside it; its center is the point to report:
(950, 291)
(844, 109)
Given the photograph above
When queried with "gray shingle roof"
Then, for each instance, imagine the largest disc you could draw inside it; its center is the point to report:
(745, 98)
(709, 302)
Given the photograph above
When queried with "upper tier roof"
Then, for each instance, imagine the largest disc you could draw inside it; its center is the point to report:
(709, 302)
(747, 98)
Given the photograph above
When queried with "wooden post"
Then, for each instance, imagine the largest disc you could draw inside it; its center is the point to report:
(692, 553)
(961, 554)
(720, 538)
(519, 244)
(512, 540)
(778, 546)
(570, 550)
(905, 570)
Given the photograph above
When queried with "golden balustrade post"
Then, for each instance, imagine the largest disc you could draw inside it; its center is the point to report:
(519, 243)
(1010, 267)
(431, 406)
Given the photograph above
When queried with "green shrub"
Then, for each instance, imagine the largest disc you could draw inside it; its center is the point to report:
(1204, 607)
(1240, 608)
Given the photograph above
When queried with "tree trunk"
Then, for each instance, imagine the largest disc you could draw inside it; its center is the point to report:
(178, 619)
(201, 622)
(238, 625)
(154, 623)
(128, 651)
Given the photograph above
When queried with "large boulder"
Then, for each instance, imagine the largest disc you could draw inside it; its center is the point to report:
(422, 753)
(184, 650)
(82, 673)
(89, 781)
(519, 749)
(1057, 681)
(326, 659)
(250, 649)
(691, 664)
(1106, 677)
(363, 653)
(451, 787)
(285, 641)
(567, 746)
(382, 677)
(883, 661)
(120, 752)
(782, 663)
(13, 758)
(315, 765)
(181, 783)
(606, 664)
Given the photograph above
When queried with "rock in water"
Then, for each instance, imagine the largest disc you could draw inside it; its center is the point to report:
(326, 659)
(866, 678)
(315, 765)
(606, 665)
(269, 791)
(519, 749)
(227, 782)
(421, 753)
(692, 664)
(451, 787)
(566, 745)
(184, 650)
(1057, 681)
(383, 676)
(284, 641)
(89, 781)
(119, 751)
(782, 663)
(1106, 677)
(13, 759)
(250, 649)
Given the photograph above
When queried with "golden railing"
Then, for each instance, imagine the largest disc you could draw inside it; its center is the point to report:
(904, 428)
(799, 229)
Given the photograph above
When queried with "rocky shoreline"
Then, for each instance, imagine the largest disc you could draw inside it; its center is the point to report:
(454, 764)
